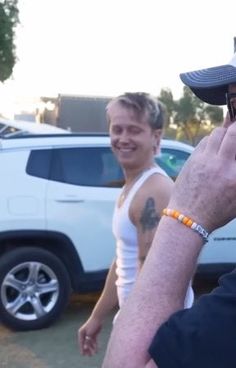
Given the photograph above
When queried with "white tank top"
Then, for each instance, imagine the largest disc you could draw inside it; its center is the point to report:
(127, 244)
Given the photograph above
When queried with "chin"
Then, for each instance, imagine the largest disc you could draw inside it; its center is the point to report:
(128, 165)
(124, 160)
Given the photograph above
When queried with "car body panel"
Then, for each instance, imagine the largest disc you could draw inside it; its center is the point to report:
(221, 247)
(84, 212)
(22, 204)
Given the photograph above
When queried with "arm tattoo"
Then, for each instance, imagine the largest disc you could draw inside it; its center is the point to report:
(149, 217)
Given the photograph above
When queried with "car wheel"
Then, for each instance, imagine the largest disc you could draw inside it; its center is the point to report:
(34, 288)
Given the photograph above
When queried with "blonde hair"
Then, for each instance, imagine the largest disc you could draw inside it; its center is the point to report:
(142, 103)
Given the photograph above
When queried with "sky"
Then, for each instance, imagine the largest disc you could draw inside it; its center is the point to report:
(107, 47)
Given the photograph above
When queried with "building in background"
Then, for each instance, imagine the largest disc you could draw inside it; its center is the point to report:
(75, 113)
(46, 110)
(82, 113)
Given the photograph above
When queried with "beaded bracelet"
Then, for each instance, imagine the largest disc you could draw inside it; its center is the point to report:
(187, 221)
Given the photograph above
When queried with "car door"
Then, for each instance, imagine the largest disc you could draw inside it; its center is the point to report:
(81, 194)
(23, 190)
(219, 254)
(171, 160)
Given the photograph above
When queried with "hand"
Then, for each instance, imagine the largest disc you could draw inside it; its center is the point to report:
(205, 190)
(227, 122)
(87, 336)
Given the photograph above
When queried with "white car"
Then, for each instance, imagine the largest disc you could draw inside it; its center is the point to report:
(10, 128)
(57, 194)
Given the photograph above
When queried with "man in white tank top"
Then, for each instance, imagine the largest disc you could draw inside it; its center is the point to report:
(135, 126)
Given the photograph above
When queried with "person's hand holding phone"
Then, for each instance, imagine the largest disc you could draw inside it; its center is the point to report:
(227, 122)
(231, 105)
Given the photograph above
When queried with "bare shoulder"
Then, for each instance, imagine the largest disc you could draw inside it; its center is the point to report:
(159, 180)
(154, 193)
(157, 184)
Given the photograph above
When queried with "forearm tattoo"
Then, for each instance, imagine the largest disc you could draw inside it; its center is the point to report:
(149, 217)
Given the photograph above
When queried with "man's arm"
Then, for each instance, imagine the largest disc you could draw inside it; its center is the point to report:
(87, 334)
(159, 291)
(205, 191)
(146, 210)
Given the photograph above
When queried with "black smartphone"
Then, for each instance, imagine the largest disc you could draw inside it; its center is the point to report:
(231, 108)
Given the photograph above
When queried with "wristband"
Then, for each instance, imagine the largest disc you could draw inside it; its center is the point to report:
(187, 221)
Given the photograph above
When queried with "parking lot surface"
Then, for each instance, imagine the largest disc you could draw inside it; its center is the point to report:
(56, 347)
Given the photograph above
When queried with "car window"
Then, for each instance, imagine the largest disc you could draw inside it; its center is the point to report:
(86, 166)
(39, 163)
(172, 160)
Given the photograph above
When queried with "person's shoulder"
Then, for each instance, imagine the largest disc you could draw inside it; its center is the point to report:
(157, 187)
(158, 182)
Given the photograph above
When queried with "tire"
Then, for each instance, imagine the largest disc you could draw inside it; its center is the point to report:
(34, 288)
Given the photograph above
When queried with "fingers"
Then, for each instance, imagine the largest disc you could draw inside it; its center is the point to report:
(87, 344)
(228, 145)
(80, 340)
(198, 149)
(215, 140)
(227, 122)
(222, 141)
(87, 336)
(202, 144)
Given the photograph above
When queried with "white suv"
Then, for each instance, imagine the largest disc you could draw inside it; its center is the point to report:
(57, 195)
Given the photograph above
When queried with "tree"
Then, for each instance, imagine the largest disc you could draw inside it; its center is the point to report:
(166, 97)
(9, 18)
(189, 117)
(215, 114)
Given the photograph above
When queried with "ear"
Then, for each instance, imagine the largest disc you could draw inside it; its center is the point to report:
(157, 135)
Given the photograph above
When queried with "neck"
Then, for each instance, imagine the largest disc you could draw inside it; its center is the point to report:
(131, 175)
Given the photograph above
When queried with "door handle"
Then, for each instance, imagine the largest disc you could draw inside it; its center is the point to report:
(69, 199)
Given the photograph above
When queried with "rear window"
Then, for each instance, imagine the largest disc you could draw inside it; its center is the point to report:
(39, 163)
(86, 166)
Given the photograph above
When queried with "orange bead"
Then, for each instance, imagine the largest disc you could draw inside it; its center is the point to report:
(176, 214)
(189, 223)
(185, 220)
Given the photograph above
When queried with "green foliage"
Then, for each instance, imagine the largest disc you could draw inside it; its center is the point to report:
(8, 21)
(189, 118)
(166, 97)
(214, 114)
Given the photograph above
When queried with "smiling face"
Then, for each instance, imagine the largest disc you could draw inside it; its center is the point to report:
(133, 141)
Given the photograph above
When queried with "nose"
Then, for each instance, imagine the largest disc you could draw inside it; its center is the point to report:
(124, 136)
